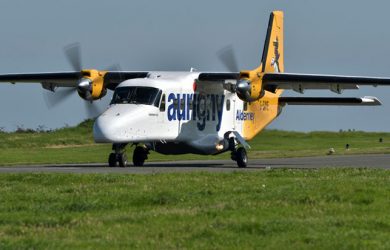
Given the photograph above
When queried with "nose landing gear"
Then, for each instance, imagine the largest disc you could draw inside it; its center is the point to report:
(119, 157)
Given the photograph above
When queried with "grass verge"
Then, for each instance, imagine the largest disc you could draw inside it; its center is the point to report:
(300, 209)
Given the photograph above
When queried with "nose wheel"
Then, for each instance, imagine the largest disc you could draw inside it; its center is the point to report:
(119, 158)
(115, 160)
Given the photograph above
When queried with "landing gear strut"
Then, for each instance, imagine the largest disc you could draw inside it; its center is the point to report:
(238, 153)
(140, 155)
(119, 157)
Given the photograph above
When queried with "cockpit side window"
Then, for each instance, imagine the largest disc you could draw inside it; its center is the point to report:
(162, 104)
(157, 99)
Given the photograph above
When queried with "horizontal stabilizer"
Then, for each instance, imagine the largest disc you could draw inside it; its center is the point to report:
(351, 101)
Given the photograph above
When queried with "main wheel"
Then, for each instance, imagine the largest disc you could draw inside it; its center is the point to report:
(139, 156)
(112, 160)
(122, 159)
(241, 158)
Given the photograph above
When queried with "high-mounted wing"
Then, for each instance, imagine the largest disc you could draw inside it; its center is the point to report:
(71, 79)
(60, 79)
(90, 84)
(348, 101)
(301, 82)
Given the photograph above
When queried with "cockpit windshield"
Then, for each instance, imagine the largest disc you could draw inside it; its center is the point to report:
(136, 95)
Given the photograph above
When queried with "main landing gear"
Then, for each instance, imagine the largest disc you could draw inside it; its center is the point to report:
(238, 153)
(119, 157)
(140, 155)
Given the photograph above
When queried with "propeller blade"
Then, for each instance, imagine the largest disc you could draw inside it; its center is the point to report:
(52, 99)
(228, 58)
(92, 109)
(116, 68)
(73, 54)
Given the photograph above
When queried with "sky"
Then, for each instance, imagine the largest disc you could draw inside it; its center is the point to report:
(322, 37)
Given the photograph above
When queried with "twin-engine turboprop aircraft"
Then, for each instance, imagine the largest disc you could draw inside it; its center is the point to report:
(206, 113)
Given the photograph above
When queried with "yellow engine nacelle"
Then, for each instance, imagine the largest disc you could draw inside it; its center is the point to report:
(249, 88)
(91, 86)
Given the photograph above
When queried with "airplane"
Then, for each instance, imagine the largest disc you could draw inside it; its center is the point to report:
(205, 113)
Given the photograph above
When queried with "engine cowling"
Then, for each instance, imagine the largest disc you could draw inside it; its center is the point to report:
(91, 85)
(249, 87)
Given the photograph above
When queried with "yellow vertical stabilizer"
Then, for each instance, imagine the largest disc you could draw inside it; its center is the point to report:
(265, 109)
(273, 56)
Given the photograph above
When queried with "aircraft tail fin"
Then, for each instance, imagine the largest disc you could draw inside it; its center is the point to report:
(273, 56)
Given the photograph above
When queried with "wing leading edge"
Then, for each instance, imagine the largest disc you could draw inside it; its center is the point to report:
(70, 79)
(301, 82)
(349, 101)
(335, 83)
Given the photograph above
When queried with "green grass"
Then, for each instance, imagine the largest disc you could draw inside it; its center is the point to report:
(275, 209)
(75, 145)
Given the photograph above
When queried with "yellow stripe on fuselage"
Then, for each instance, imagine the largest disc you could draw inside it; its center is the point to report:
(264, 111)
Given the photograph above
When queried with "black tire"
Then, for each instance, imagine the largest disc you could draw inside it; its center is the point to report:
(112, 160)
(139, 156)
(241, 158)
(122, 159)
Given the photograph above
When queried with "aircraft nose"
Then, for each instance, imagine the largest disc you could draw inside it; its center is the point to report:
(103, 131)
(119, 124)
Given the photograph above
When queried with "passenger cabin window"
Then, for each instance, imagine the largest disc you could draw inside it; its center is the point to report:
(162, 105)
(227, 104)
(136, 95)
(176, 103)
(182, 104)
(190, 105)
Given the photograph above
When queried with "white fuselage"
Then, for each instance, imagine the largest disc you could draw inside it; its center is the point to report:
(196, 116)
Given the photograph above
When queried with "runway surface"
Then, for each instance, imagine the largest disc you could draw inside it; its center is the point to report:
(354, 161)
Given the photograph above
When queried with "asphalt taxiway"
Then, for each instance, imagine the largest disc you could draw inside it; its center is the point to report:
(346, 161)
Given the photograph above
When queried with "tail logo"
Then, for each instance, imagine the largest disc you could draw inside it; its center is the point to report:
(275, 60)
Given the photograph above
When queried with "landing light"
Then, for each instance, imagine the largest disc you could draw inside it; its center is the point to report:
(219, 147)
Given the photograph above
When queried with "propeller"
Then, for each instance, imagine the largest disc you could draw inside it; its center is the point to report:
(73, 55)
(52, 99)
(92, 109)
(228, 58)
